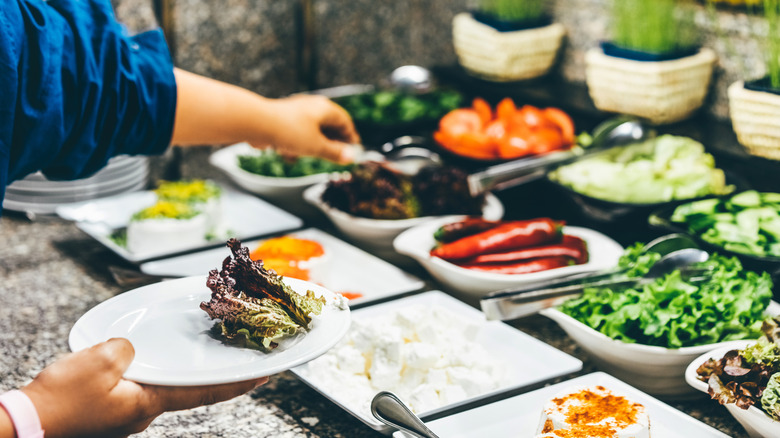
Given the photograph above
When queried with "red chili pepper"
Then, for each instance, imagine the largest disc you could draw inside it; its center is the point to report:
(456, 230)
(522, 267)
(570, 246)
(515, 234)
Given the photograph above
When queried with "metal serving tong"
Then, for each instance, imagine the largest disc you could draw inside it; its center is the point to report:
(613, 132)
(679, 253)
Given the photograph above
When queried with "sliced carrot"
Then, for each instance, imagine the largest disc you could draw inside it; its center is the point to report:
(484, 110)
(563, 122)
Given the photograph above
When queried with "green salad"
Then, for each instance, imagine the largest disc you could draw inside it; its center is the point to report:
(746, 223)
(270, 163)
(658, 170)
(392, 107)
(672, 312)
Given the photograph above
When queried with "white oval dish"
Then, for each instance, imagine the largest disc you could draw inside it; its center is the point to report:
(656, 370)
(418, 241)
(169, 332)
(754, 420)
(288, 189)
(379, 233)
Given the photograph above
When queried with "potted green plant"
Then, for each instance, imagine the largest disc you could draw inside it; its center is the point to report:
(507, 40)
(653, 66)
(754, 105)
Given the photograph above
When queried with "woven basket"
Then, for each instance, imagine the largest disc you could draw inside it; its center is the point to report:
(755, 116)
(505, 56)
(660, 91)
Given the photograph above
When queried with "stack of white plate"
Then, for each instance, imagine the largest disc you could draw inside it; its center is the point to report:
(38, 195)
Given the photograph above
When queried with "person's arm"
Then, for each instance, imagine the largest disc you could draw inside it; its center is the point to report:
(213, 112)
(83, 394)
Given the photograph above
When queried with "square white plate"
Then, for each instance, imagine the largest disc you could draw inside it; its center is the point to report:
(343, 268)
(518, 417)
(243, 217)
(528, 360)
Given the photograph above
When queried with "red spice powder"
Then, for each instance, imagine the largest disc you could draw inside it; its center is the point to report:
(592, 407)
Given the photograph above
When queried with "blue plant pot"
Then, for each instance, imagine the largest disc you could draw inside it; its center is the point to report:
(612, 49)
(510, 25)
(764, 84)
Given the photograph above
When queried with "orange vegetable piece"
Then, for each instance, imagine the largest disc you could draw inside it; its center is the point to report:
(513, 146)
(286, 268)
(460, 121)
(533, 117)
(545, 140)
(564, 122)
(484, 110)
(351, 295)
(287, 248)
(506, 109)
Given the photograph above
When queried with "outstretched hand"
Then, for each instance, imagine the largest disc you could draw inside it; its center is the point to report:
(313, 125)
(84, 394)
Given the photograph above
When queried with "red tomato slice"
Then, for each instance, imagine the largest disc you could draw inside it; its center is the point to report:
(496, 129)
(484, 110)
(533, 117)
(563, 122)
(513, 146)
(545, 140)
(506, 109)
(460, 121)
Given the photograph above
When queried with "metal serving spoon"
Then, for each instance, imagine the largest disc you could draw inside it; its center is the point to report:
(613, 132)
(412, 79)
(390, 410)
(511, 304)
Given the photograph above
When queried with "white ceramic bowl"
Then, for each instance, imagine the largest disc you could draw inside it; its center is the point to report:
(378, 234)
(656, 370)
(276, 188)
(418, 241)
(754, 420)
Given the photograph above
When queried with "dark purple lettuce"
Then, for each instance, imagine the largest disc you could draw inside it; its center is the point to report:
(254, 306)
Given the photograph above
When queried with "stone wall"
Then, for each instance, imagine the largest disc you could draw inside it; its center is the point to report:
(255, 43)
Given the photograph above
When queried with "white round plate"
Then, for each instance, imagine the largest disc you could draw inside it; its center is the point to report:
(169, 331)
(284, 188)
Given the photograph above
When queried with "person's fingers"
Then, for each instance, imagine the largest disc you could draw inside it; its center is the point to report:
(114, 355)
(187, 397)
(337, 151)
(337, 125)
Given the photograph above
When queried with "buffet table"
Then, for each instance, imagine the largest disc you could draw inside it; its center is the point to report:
(53, 273)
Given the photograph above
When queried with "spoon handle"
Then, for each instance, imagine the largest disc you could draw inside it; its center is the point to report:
(389, 409)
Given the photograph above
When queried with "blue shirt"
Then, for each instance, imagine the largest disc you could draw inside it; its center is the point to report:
(75, 90)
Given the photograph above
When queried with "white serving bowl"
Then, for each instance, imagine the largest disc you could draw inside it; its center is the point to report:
(283, 189)
(378, 234)
(754, 420)
(418, 241)
(656, 370)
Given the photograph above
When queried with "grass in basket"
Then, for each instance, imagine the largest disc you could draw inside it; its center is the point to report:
(772, 15)
(514, 10)
(770, 10)
(655, 26)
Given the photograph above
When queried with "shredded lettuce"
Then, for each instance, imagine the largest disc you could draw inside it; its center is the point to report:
(672, 312)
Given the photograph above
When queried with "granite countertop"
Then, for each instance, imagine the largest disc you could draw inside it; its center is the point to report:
(53, 273)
